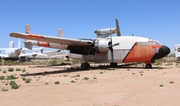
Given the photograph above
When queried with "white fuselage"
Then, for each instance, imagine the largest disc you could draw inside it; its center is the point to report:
(12, 52)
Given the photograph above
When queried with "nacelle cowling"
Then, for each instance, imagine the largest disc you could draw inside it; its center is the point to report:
(106, 31)
(101, 45)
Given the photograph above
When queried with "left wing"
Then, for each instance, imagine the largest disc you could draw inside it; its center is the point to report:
(59, 40)
(28, 55)
(3, 55)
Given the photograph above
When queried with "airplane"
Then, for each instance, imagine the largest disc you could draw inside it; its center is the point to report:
(105, 47)
(21, 54)
(177, 52)
(11, 53)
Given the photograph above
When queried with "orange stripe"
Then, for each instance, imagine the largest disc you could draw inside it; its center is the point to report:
(43, 44)
(141, 54)
(32, 36)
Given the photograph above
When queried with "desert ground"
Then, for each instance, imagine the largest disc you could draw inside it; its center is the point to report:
(99, 86)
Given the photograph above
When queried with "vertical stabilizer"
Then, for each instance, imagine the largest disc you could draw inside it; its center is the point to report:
(19, 43)
(27, 29)
(26, 43)
(11, 44)
(59, 33)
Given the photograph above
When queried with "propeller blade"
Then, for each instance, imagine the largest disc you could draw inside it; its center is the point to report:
(117, 28)
(116, 44)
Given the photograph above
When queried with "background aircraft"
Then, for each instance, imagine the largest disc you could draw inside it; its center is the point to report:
(106, 48)
(12, 53)
(177, 52)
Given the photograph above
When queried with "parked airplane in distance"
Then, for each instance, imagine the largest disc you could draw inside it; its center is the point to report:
(177, 52)
(12, 53)
(106, 48)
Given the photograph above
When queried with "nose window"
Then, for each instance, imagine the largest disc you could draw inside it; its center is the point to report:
(157, 50)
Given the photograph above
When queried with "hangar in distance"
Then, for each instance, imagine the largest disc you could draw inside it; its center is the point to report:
(105, 47)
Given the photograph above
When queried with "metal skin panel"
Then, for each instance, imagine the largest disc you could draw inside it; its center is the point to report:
(119, 55)
(135, 49)
(141, 53)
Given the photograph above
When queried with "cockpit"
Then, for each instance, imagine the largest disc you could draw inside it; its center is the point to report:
(149, 43)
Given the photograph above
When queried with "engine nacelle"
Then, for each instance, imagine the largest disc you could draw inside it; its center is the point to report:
(101, 45)
(106, 31)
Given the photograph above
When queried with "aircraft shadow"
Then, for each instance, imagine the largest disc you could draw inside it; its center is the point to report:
(69, 70)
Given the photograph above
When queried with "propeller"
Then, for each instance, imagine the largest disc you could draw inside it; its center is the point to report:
(116, 44)
(118, 28)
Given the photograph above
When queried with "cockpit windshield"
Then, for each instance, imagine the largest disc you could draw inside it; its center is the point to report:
(149, 43)
(154, 43)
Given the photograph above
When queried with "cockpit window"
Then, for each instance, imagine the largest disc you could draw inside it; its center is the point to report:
(150, 43)
(154, 43)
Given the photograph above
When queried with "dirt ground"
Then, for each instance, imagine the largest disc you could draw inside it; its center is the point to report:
(99, 86)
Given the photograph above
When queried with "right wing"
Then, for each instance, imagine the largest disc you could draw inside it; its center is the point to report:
(59, 40)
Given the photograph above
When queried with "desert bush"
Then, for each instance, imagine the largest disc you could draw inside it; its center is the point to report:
(24, 70)
(85, 78)
(18, 69)
(14, 85)
(94, 77)
(11, 77)
(76, 61)
(53, 62)
(56, 82)
(4, 71)
(73, 81)
(77, 75)
(101, 72)
(161, 85)
(171, 82)
(10, 69)
(4, 89)
(28, 80)
(1, 77)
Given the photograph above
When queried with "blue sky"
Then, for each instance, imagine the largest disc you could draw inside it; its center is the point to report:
(156, 19)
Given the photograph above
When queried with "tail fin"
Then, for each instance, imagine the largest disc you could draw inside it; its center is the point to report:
(27, 44)
(59, 33)
(19, 43)
(27, 29)
(11, 44)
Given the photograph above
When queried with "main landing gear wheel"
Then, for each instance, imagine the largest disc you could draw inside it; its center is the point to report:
(113, 64)
(85, 66)
(148, 66)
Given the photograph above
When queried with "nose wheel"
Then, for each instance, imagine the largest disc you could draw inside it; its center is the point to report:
(148, 66)
(85, 66)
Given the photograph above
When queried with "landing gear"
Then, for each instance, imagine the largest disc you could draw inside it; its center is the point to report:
(85, 66)
(22, 59)
(113, 64)
(148, 66)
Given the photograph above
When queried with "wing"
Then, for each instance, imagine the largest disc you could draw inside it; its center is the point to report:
(59, 40)
(3, 56)
(28, 55)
